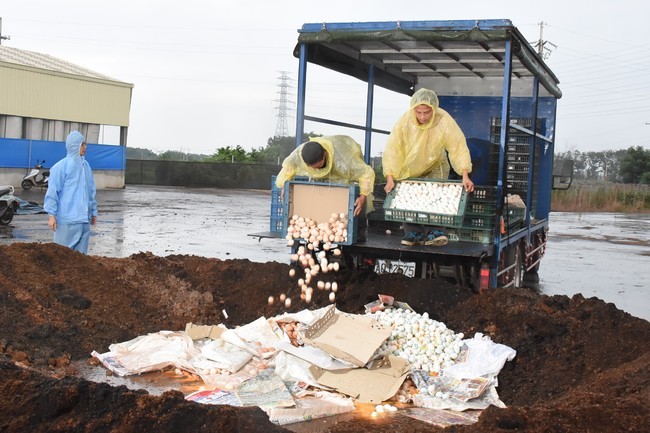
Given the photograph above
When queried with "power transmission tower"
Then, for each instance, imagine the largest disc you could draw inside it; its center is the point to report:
(282, 128)
(2, 38)
(542, 49)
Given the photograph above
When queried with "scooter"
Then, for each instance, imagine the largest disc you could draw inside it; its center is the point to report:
(31, 179)
(8, 204)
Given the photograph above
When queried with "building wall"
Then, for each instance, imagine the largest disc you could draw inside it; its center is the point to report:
(40, 94)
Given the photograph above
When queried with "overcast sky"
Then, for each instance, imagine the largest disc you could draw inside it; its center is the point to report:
(206, 73)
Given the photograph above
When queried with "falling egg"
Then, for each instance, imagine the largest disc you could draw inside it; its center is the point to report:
(292, 272)
(287, 302)
(283, 297)
(271, 300)
(335, 286)
(332, 296)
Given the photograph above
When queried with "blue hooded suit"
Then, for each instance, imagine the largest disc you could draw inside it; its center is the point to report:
(70, 196)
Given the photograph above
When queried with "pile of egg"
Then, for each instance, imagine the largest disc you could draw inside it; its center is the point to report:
(318, 256)
(430, 197)
(313, 265)
(316, 234)
(381, 409)
(426, 343)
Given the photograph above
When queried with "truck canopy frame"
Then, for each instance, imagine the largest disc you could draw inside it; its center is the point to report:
(486, 64)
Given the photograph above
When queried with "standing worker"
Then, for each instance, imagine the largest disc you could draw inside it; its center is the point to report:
(417, 148)
(337, 158)
(70, 198)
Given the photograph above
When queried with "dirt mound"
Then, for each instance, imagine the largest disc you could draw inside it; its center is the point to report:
(581, 364)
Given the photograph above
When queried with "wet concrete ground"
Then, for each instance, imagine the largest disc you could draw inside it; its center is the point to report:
(165, 221)
(596, 254)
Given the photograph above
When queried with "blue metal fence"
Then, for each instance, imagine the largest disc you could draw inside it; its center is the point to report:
(20, 153)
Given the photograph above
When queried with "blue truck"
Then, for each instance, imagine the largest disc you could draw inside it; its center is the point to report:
(503, 96)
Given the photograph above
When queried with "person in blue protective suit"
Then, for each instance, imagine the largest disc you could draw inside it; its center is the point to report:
(70, 199)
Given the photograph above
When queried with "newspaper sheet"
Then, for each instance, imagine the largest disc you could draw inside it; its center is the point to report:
(214, 396)
(266, 390)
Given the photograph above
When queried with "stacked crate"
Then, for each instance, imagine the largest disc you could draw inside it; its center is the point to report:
(277, 209)
(479, 219)
(517, 158)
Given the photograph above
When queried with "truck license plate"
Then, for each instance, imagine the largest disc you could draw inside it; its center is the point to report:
(395, 267)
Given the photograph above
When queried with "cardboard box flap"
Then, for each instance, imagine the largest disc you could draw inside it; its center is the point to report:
(196, 332)
(367, 385)
(349, 337)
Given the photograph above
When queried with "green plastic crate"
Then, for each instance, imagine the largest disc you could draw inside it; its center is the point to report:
(470, 235)
(426, 218)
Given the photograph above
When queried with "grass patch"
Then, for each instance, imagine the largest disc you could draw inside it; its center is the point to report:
(602, 197)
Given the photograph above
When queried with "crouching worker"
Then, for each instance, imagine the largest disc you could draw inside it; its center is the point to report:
(70, 198)
(336, 158)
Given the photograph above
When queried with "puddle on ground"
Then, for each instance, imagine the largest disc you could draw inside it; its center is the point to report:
(158, 382)
(155, 382)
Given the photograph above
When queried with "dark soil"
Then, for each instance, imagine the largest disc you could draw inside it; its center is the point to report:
(581, 366)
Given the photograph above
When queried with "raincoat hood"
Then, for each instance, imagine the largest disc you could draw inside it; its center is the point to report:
(424, 97)
(343, 164)
(73, 143)
(424, 150)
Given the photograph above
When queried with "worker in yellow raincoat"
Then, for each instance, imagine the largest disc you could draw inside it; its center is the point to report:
(418, 147)
(336, 158)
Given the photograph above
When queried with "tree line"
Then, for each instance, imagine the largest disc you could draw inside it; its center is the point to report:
(276, 149)
(631, 166)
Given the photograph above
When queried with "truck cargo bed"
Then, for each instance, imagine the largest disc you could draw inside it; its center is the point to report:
(384, 245)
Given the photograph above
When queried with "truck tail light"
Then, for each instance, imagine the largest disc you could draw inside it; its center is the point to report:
(484, 279)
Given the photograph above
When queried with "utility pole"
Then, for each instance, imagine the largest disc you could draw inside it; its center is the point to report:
(2, 38)
(542, 49)
(282, 129)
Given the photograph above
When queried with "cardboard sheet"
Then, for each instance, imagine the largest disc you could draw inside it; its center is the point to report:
(196, 332)
(368, 385)
(349, 337)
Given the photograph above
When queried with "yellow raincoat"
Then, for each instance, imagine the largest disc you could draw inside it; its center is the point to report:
(344, 164)
(420, 150)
